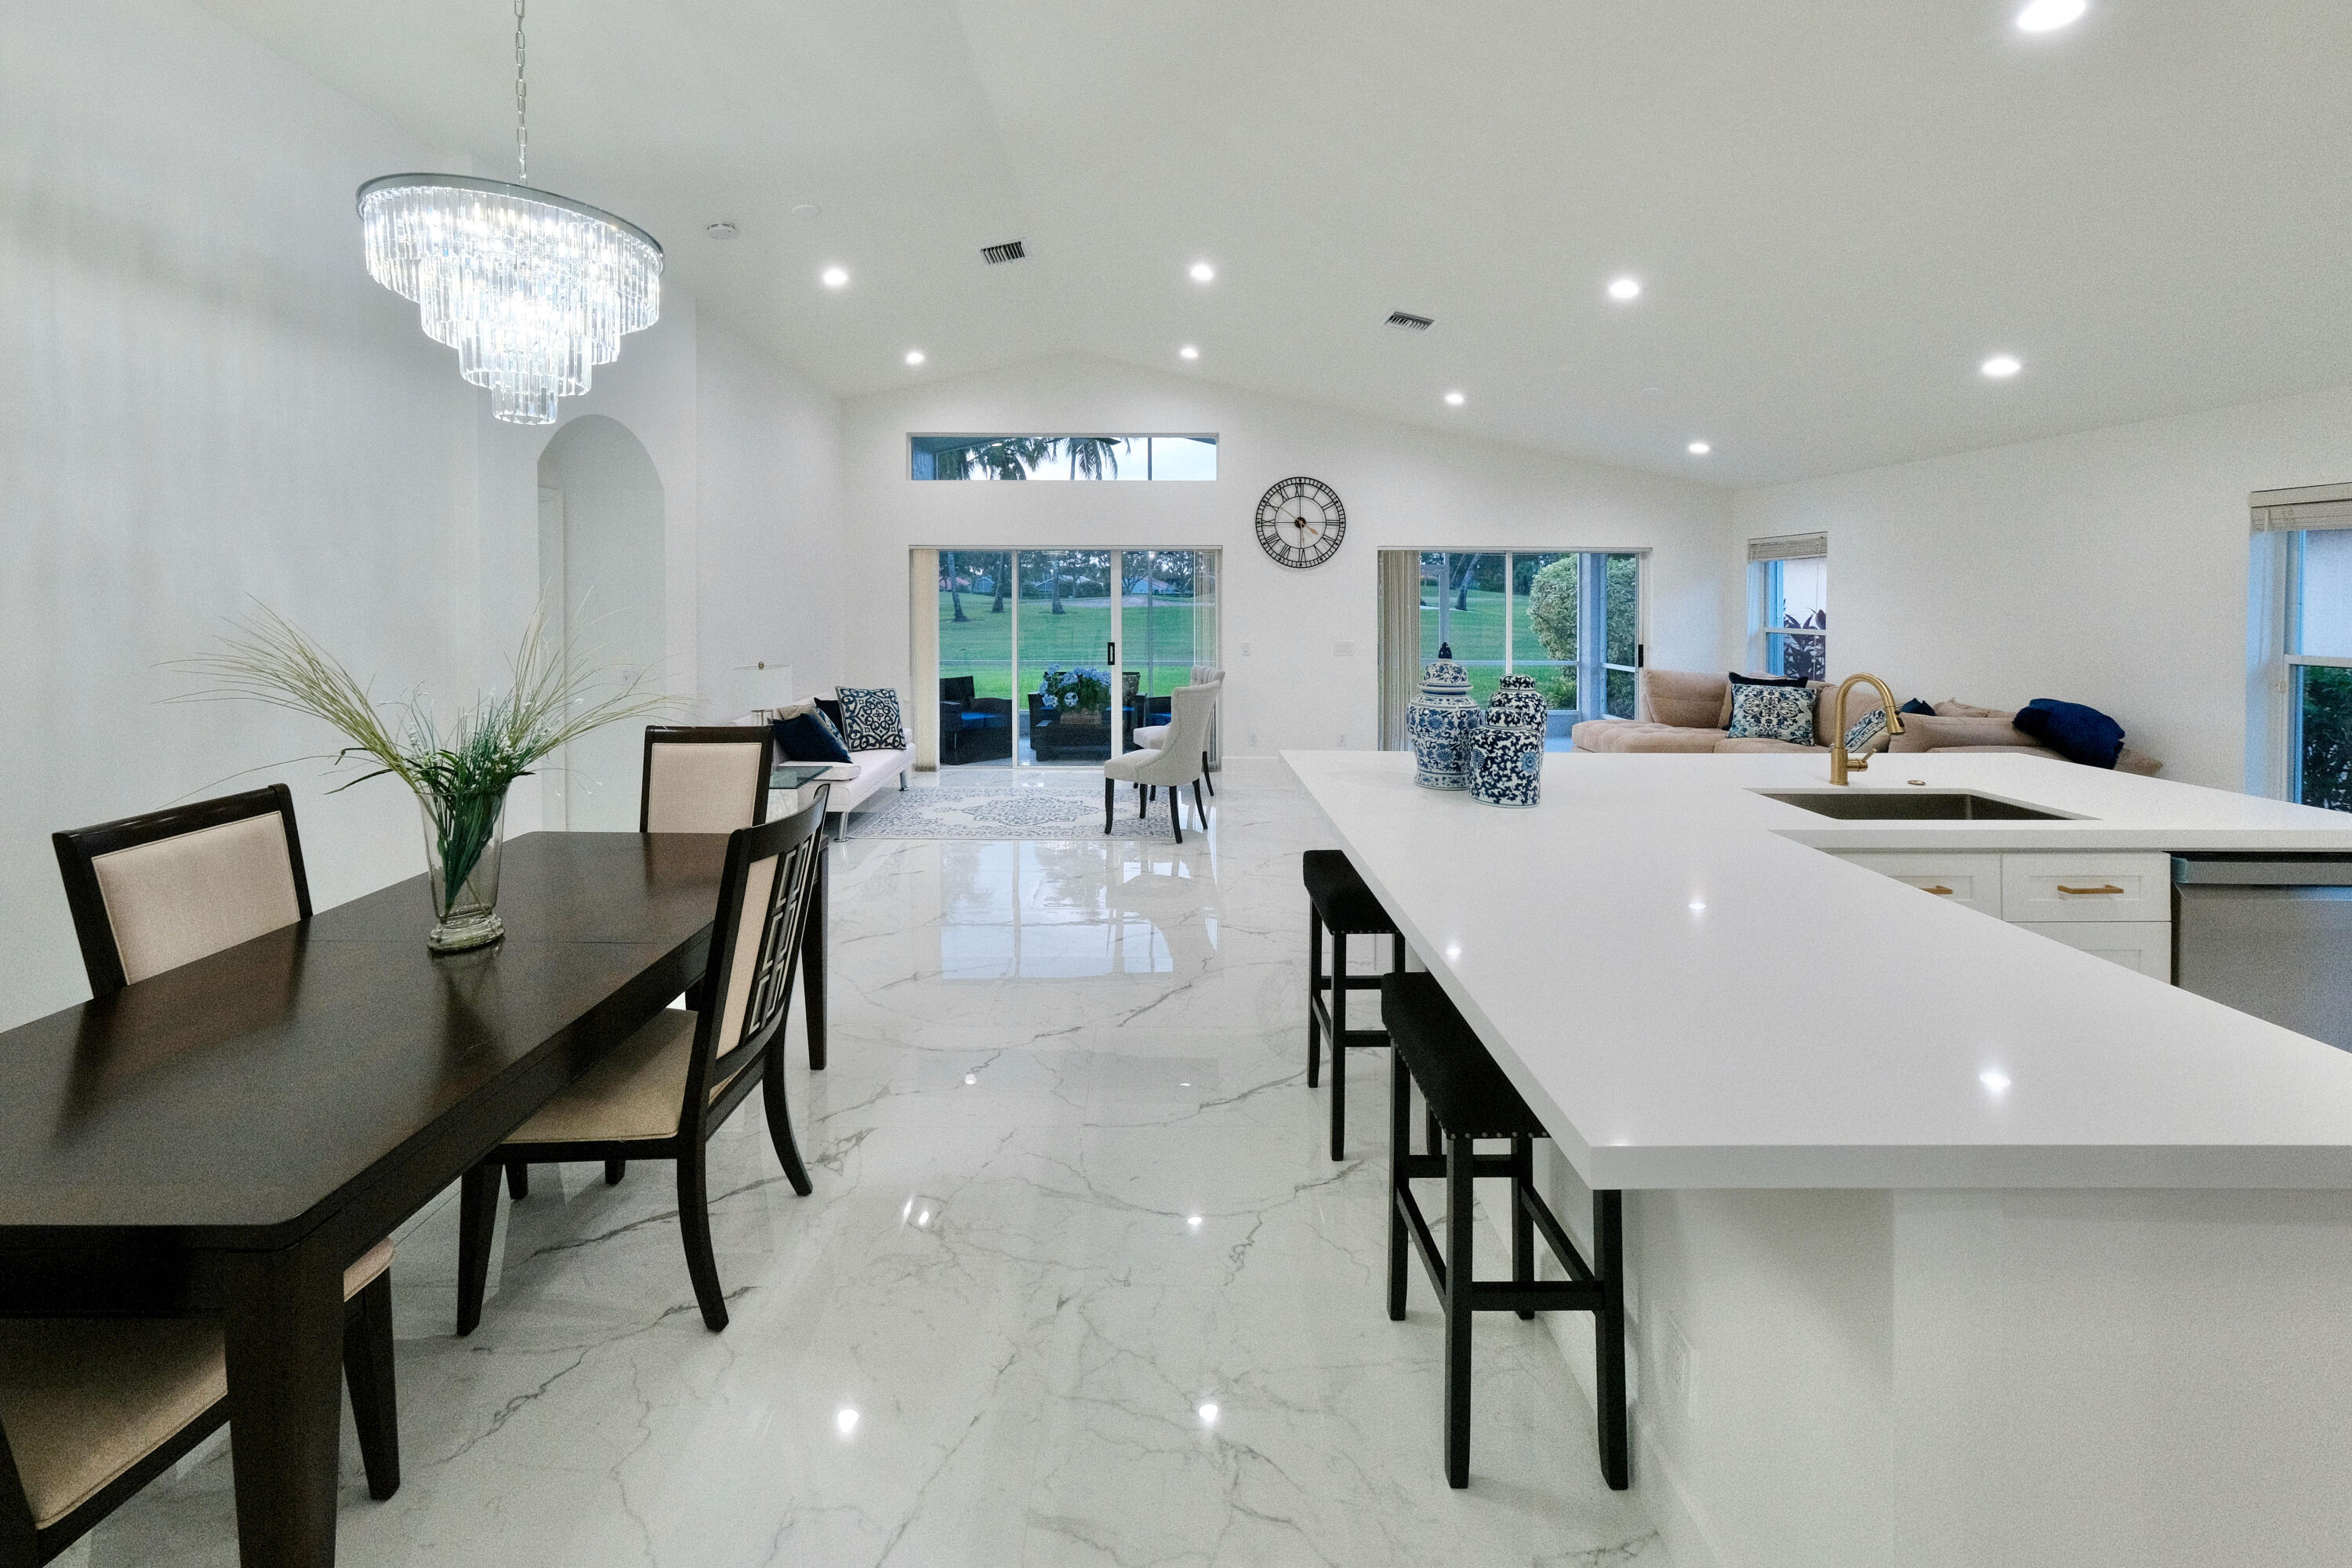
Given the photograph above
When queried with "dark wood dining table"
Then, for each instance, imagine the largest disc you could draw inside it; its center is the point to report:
(228, 1136)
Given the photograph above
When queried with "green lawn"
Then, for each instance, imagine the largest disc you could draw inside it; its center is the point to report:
(981, 646)
(1476, 634)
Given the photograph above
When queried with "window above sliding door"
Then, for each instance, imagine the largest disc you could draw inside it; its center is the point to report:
(1136, 457)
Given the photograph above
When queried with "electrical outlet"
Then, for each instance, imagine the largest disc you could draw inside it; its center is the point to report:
(1343, 740)
(1253, 740)
(1343, 650)
(1246, 651)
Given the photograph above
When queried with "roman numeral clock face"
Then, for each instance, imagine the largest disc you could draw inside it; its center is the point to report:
(1300, 522)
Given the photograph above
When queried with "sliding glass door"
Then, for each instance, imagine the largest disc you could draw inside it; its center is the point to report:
(1571, 620)
(1056, 657)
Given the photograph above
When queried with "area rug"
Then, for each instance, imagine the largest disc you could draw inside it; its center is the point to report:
(1005, 805)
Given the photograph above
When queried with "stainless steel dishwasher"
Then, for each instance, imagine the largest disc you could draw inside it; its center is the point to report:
(2270, 935)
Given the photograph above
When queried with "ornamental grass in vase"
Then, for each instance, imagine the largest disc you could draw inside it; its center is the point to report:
(461, 776)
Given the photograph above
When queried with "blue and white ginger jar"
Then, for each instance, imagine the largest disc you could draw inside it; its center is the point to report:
(1440, 725)
(1507, 750)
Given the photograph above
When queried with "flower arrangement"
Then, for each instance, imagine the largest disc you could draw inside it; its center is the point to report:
(1082, 689)
(461, 775)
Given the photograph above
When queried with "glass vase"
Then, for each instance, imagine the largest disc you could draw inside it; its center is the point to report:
(463, 836)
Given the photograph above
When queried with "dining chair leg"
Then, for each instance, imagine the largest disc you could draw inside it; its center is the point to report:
(1339, 1044)
(1200, 811)
(478, 1226)
(1204, 773)
(1458, 1312)
(376, 1400)
(517, 1180)
(779, 1122)
(614, 1170)
(1176, 812)
(815, 963)
(1314, 993)
(1110, 787)
(1523, 1221)
(1399, 1149)
(694, 1228)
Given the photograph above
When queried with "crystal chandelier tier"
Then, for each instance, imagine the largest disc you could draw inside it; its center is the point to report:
(532, 290)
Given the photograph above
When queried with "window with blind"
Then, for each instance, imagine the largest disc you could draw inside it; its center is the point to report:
(1789, 604)
(2304, 540)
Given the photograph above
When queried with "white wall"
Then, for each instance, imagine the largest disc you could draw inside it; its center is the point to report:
(1402, 485)
(2107, 568)
(207, 403)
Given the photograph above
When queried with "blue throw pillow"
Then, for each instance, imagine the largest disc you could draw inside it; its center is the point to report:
(1771, 713)
(810, 738)
(1917, 706)
(2077, 733)
(870, 721)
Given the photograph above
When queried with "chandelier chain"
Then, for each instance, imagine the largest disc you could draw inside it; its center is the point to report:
(522, 126)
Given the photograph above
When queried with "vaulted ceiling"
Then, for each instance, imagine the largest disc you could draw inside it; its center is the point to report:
(1837, 208)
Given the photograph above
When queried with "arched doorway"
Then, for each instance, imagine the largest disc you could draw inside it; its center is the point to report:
(602, 572)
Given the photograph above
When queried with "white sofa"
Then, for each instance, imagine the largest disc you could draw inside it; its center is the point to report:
(858, 779)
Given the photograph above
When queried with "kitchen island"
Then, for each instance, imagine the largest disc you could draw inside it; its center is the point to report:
(1949, 1243)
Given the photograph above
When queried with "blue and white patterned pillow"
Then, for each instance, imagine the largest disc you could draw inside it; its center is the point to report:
(1772, 713)
(869, 717)
(1864, 732)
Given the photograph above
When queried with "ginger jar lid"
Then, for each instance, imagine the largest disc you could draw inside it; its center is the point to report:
(1442, 676)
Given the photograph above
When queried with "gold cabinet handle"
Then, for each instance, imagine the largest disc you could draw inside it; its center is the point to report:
(1939, 892)
(2109, 888)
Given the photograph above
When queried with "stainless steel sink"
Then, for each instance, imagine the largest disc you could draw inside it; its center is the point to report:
(1923, 806)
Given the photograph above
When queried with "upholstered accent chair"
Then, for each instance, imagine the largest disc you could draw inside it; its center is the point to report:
(663, 1092)
(1181, 758)
(92, 1410)
(706, 778)
(1149, 736)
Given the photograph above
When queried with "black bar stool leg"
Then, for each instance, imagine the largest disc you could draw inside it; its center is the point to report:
(1458, 1311)
(1523, 1221)
(1400, 1150)
(1338, 1043)
(1609, 1336)
(1314, 993)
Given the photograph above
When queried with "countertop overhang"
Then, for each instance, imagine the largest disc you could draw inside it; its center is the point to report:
(1692, 995)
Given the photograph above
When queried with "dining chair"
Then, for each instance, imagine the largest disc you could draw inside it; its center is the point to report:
(662, 1093)
(1152, 736)
(1170, 764)
(150, 893)
(706, 778)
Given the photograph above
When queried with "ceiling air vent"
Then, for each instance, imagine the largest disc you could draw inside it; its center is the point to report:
(1409, 321)
(1010, 250)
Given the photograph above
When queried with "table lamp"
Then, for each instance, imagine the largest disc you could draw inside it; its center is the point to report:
(765, 688)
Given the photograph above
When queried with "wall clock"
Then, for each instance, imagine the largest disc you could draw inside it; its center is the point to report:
(1300, 522)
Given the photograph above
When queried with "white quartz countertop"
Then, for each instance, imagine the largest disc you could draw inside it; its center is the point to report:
(1692, 995)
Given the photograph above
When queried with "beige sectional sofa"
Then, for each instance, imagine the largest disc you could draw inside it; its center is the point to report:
(1689, 710)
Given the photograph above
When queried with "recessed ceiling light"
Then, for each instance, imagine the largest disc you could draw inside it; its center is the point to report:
(1202, 272)
(2049, 15)
(914, 356)
(1188, 352)
(1993, 1079)
(1455, 398)
(721, 230)
(833, 276)
(1698, 449)
(2000, 367)
(1623, 288)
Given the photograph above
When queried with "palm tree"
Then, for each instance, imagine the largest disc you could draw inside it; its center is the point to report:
(1089, 453)
(1007, 457)
(955, 588)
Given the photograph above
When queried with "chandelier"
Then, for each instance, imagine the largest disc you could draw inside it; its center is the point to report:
(532, 290)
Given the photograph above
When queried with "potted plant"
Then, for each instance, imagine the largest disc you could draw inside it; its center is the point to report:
(460, 775)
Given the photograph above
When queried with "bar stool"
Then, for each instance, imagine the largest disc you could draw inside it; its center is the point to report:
(1469, 1096)
(1336, 898)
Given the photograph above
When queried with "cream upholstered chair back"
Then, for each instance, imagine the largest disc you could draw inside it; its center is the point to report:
(152, 892)
(705, 779)
(1177, 759)
(755, 944)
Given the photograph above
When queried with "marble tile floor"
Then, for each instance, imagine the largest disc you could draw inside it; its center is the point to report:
(1078, 1286)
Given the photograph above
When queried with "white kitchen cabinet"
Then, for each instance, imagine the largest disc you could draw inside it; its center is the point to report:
(2143, 945)
(2104, 888)
(1972, 880)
